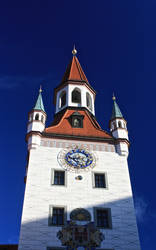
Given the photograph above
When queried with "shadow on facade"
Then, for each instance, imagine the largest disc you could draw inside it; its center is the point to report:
(120, 232)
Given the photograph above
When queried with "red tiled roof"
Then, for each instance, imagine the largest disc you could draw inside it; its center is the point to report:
(74, 72)
(62, 126)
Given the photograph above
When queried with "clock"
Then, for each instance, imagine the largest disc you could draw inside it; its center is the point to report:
(76, 159)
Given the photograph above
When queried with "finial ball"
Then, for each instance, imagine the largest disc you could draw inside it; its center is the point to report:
(113, 97)
(40, 90)
(74, 51)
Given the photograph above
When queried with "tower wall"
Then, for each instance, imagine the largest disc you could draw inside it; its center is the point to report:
(40, 194)
(68, 89)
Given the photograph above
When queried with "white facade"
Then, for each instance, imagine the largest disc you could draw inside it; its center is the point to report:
(40, 194)
(84, 92)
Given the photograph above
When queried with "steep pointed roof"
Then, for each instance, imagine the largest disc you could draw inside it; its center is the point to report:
(39, 104)
(116, 113)
(74, 72)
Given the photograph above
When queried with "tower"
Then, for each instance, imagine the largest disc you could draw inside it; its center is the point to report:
(78, 192)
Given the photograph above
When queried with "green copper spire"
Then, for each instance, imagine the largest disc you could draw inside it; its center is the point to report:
(116, 113)
(39, 104)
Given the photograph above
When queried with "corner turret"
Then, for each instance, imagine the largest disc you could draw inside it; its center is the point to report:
(36, 123)
(118, 128)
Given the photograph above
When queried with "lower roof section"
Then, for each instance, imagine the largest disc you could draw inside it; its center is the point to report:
(62, 127)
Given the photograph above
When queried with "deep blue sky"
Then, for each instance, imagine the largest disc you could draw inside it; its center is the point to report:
(116, 43)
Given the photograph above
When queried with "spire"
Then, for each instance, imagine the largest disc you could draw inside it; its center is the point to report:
(39, 104)
(74, 70)
(116, 113)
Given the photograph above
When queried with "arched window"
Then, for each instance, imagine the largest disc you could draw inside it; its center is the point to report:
(42, 118)
(62, 100)
(114, 125)
(89, 101)
(119, 124)
(76, 96)
(37, 117)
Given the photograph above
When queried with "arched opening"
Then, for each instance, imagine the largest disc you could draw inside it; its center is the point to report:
(114, 125)
(89, 101)
(76, 96)
(42, 118)
(119, 124)
(62, 100)
(37, 117)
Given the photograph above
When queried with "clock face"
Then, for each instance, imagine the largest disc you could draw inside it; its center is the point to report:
(76, 158)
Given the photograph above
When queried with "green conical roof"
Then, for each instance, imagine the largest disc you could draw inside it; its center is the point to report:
(116, 113)
(39, 104)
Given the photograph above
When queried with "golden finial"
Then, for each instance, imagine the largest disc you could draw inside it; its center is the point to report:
(40, 90)
(74, 51)
(113, 97)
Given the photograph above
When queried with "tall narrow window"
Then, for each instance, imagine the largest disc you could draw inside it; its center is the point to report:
(100, 180)
(62, 100)
(119, 124)
(37, 117)
(42, 118)
(58, 216)
(89, 101)
(114, 124)
(103, 217)
(76, 96)
(59, 178)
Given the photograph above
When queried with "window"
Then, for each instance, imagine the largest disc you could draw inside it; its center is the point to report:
(119, 124)
(103, 217)
(62, 100)
(76, 123)
(89, 101)
(76, 96)
(37, 117)
(42, 118)
(58, 177)
(76, 120)
(100, 180)
(114, 124)
(56, 216)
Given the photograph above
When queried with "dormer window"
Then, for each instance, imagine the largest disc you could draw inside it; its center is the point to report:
(76, 123)
(62, 100)
(89, 101)
(76, 120)
(76, 96)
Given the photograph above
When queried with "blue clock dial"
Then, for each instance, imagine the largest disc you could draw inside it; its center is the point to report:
(76, 159)
(79, 158)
